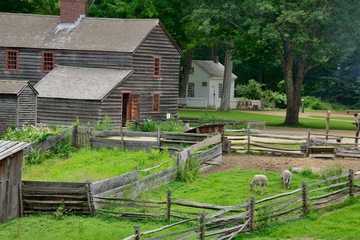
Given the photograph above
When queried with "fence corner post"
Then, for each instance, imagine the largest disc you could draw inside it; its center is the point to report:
(251, 210)
(308, 143)
(202, 225)
(305, 197)
(137, 232)
(351, 182)
(248, 137)
(158, 129)
(168, 204)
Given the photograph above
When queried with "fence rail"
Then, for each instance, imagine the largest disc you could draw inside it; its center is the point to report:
(306, 144)
(225, 222)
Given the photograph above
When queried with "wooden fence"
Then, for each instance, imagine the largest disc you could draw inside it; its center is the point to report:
(308, 144)
(130, 184)
(225, 222)
(47, 197)
(173, 141)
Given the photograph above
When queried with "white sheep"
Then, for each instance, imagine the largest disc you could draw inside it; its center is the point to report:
(260, 180)
(286, 177)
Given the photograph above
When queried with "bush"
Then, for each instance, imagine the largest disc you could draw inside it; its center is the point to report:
(103, 125)
(252, 90)
(30, 133)
(277, 100)
(35, 156)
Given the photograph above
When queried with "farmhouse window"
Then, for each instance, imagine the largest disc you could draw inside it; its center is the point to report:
(157, 66)
(12, 57)
(47, 61)
(191, 90)
(204, 84)
(156, 103)
(220, 90)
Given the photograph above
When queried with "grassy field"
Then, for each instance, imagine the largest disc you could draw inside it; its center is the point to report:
(224, 188)
(93, 164)
(271, 120)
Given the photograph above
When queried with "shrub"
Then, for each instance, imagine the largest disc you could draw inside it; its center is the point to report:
(208, 118)
(276, 99)
(35, 156)
(63, 148)
(103, 125)
(30, 133)
(252, 90)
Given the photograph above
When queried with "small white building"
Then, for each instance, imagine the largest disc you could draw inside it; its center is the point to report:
(205, 85)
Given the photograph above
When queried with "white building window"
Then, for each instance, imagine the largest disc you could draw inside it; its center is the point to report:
(191, 90)
(220, 90)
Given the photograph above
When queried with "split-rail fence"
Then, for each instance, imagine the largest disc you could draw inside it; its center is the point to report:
(225, 222)
(298, 144)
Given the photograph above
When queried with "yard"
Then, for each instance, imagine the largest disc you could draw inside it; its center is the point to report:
(227, 187)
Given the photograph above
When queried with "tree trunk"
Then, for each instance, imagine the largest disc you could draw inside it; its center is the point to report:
(188, 55)
(293, 90)
(226, 93)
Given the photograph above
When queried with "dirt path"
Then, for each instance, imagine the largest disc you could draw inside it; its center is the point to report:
(277, 164)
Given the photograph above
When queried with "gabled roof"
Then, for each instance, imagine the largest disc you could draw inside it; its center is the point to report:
(80, 83)
(8, 148)
(14, 87)
(98, 34)
(214, 69)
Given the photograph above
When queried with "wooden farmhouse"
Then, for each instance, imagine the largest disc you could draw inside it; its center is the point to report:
(11, 158)
(125, 68)
(206, 84)
(18, 104)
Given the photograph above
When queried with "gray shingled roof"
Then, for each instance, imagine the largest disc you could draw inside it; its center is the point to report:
(80, 83)
(14, 86)
(100, 34)
(212, 68)
(8, 148)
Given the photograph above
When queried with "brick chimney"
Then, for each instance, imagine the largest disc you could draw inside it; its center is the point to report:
(72, 10)
(215, 59)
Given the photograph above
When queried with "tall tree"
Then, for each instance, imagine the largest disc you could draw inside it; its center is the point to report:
(304, 34)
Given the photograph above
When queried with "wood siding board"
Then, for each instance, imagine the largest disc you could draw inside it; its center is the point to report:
(8, 105)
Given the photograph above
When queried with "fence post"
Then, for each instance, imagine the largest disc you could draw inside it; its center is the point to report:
(137, 232)
(168, 204)
(305, 197)
(308, 143)
(351, 182)
(248, 135)
(21, 208)
(202, 225)
(90, 199)
(158, 136)
(88, 137)
(327, 126)
(251, 208)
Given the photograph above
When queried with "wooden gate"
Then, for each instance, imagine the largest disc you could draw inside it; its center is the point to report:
(83, 136)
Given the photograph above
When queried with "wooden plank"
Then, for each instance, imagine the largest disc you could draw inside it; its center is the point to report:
(40, 184)
(329, 186)
(132, 213)
(274, 148)
(130, 200)
(206, 142)
(271, 205)
(329, 179)
(329, 199)
(329, 194)
(169, 226)
(279, 214)
(130, 205)
(226, 218)
(111, 183)
(209, 154)
(182, 202)
(278, 196)
(224, 230)
(172, 234)
(274, 137)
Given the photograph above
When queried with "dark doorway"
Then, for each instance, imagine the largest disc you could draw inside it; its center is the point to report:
(126, 108)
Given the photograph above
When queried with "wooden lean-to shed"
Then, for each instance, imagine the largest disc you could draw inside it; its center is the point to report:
(89, 94)
(18, 103)
(11, 158)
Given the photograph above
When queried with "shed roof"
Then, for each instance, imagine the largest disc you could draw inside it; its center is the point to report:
(14, 87)
(100, 34)
(80, 83)
(214, 69)
(8, 148)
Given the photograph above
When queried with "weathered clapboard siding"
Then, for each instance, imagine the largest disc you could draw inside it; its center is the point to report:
(111, 107)
(10, 180)
(157, 44)
(7, 111)
(30, 62)
(65, 111)
(26, 107)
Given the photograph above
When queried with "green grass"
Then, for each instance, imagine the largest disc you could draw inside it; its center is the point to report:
(94, 164)
(224, 188)
(271, 120)
(339, 224)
